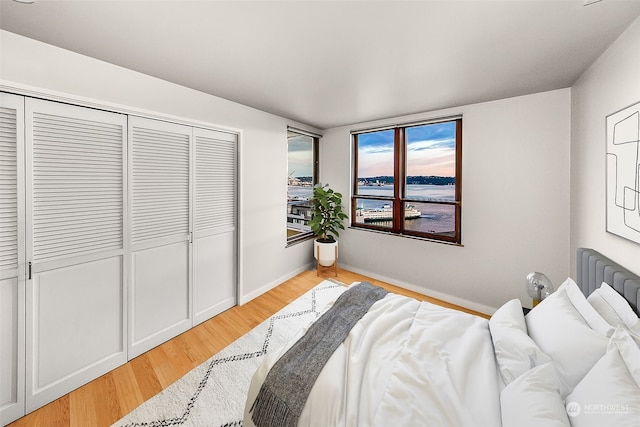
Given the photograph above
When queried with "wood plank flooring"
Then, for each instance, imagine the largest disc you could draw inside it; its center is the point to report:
(113, 395)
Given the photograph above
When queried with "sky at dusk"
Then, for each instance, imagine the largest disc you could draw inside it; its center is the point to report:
(430, 151)
(300, 156)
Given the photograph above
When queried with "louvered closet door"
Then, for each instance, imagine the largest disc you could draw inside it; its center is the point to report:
(75, 241)
(214, 236)
(160, 294)
(12, 292)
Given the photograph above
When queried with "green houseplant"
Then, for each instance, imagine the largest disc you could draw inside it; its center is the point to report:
(327, 218)
(327, 213)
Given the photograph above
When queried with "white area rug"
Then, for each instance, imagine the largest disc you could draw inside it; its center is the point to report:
(213, 394)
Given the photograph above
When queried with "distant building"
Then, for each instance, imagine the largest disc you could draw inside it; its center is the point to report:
(298, 217)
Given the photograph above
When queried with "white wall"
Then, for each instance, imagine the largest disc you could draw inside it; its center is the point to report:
(265, 262)
(515, 198)
(516, 178)
(610, 84)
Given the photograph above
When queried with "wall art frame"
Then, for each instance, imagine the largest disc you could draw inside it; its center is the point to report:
(623, 173)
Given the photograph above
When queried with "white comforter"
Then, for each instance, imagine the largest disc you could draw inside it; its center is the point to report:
(405, 363)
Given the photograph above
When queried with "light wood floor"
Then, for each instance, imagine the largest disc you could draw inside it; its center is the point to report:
(113, 395)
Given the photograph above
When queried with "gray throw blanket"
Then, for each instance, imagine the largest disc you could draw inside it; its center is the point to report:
(288, 384)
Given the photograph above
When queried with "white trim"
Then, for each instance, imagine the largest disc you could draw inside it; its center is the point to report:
(266, 288)
(428, 292)
(303, 132)
(408, 124)
(451, 299)
(239, 222)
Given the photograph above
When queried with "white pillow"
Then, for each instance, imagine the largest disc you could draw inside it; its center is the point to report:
(609, 395)
(614, 308)
(515, 351)
(533, 400)
(586, 310)
(562, 333)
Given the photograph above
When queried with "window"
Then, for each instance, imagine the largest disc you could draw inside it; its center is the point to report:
(407, 180)
(302, 175)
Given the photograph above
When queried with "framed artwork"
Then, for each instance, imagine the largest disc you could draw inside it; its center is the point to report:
(623, 173)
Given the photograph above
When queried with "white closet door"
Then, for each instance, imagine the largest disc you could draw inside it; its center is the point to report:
(12, 292)
(214, 234)
(75, 238)
(160, 294)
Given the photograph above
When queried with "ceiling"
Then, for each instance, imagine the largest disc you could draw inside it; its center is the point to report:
(331, 63)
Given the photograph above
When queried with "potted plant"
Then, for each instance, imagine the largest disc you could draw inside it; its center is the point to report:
(327, 217)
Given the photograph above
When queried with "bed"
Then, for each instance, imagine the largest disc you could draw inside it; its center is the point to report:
(594, 268)
(574, 360)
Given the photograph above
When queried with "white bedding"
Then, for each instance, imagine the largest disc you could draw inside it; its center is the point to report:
(571, 362)
(405, 363)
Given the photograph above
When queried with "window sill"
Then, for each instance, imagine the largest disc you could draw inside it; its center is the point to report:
(406, 236)
(301, 239)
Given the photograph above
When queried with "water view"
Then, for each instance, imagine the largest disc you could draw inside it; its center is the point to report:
(424, 192)
(419, 214)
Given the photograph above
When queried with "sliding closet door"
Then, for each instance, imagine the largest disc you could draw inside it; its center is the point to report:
(12, 293)
(214, 234)
(160, 294)
(75, 238)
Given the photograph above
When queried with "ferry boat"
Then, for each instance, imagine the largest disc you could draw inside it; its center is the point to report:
(385, 213)
(366, 183)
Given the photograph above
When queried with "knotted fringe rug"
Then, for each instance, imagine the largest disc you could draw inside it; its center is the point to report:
(213, 394)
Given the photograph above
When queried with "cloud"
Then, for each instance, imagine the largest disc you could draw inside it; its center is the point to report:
(300, 156)
(433, 131)
(430, 151)
(432, 144)
(299, 143)
(376, 142)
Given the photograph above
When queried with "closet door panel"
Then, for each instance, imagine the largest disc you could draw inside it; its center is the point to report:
(161, 299)
(77, 185)
(215, 234)
(160, 282)
(75, 210)
(75, 338)
(12, 258)
(11, 350)
(214, 274)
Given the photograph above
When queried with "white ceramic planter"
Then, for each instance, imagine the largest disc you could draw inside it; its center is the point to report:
(325, 253)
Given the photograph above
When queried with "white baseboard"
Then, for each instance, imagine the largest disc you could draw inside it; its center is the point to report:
(428, 292)
(243, 299)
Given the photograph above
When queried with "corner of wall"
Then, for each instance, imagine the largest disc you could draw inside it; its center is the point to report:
(609, 85)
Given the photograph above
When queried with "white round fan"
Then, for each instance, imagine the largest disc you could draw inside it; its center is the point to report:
(538, 287)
